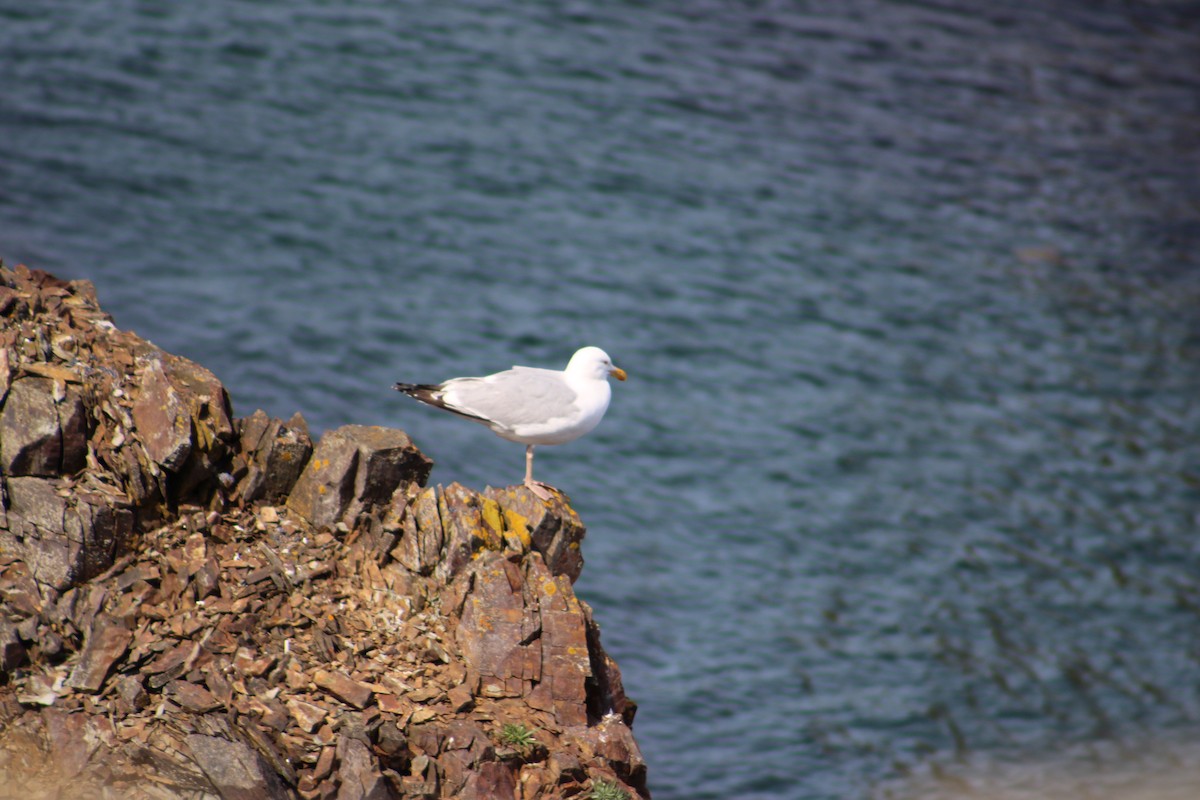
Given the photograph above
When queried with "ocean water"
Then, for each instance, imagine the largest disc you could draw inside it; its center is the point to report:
(904, 483)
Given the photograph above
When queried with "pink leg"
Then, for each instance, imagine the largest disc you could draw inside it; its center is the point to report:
(538, 488)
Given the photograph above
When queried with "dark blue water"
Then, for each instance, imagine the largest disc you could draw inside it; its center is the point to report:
(906, 475)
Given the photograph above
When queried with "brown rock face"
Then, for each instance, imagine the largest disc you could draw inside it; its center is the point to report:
(30, 432)
(354, 468)
(275, 453)
(554, 529)
(234, 769)
(162, 418)
(64, 535)
(155, 428)
(524, 634)
(197, 606)
(106, 642)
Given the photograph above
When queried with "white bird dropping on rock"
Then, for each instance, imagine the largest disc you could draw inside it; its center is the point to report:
(528, 405)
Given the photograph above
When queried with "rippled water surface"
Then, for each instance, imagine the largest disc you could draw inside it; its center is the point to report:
(905, 477)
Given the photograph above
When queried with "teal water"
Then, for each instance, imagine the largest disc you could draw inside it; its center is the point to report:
(905, 477)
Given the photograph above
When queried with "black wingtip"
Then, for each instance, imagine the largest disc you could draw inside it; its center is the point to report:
(420, 391)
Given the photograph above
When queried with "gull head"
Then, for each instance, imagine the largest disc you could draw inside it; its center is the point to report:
(592, 362)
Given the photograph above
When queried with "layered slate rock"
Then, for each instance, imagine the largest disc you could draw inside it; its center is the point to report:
(162, 417)
(235, 769)
(105, 642)
(65, 532)
(100, 431)
(30, 439)
(272, 455)
(554, 530)
(194, 605)
(524, 634)
(355, 468)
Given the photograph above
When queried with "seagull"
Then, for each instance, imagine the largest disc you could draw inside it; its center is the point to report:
(528, 405)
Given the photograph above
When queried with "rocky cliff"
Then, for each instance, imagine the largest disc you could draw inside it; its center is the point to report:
(195, 605)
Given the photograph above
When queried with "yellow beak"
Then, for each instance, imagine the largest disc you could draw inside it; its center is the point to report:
(618, 373)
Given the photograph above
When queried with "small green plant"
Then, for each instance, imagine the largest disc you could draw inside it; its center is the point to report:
(607, 790)
(517, 735)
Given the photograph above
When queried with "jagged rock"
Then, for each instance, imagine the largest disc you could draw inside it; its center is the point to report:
(106, 642)
(35, 530)
(420, 547)
(37, 502)
(566, 665)
(307, 715)
(533, 780)
(64, 537)
(163, 633)
(461, 698)
(450, 527)
(19, 590)
(66, 354)
(525, 635)
(71, 747)
(30, 432)
(192, 697)
(235, 770)
(359, 774)
(344, 688)
(500, 639)
(422, 780)
(132, 693)
(276, 453)
(552, 529)
(492, 780)
(162, 418)
(611, 742)
(353, 468)
(469, 523)
(182, 418)
(565, 766)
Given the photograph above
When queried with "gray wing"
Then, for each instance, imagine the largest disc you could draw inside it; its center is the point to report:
(515, 397)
